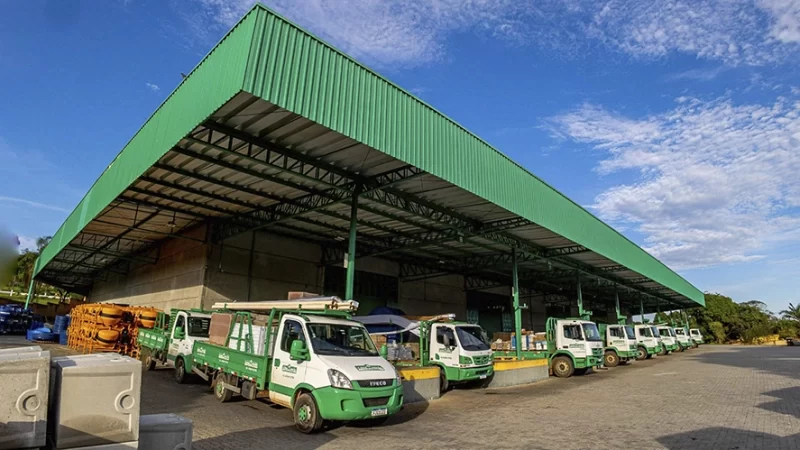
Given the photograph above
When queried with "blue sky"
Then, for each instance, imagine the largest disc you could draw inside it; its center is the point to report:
(677, 123)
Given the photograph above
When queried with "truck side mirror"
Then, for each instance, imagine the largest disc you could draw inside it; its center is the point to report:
(384, 351)
(179, 333)
(298, 351)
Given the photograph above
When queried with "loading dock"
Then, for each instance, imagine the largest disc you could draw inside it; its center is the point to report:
(280, 164)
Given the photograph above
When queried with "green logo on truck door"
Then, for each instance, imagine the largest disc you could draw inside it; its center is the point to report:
(251, 365)
(288, 368)
(369, 368)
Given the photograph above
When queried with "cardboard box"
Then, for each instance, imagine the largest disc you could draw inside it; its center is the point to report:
(218, 329)
(503, 336)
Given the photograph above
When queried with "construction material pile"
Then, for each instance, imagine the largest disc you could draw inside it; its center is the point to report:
(80, 402)
(106, 327)
(530, 341)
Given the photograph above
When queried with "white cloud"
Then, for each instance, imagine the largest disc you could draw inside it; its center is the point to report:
(152, 87)
(26, 243)
(413, 32)
(32, 203)
(716, 181)
(696, 74)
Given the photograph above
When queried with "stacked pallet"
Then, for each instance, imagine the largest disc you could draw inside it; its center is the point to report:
(530, 341)
(106, 327)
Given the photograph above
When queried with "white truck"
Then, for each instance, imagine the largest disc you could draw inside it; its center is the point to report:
(682, 335)
(647, 344)
(696, 336)
(573, 346)
(310, 357)
(620, 344)
(668, 342)
(461, 350)
(171, 342)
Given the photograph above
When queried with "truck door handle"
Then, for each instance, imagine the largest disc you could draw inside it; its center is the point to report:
(566, 346)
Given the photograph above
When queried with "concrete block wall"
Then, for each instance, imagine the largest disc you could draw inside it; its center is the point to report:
(175, 281)
(438, 295)
(261, 266)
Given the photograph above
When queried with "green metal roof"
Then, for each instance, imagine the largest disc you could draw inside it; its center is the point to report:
(272, 59)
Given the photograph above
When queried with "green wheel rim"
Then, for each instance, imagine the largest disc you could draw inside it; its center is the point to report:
(304, 413)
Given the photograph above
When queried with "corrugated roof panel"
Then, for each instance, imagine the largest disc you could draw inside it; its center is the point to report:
(419, 135)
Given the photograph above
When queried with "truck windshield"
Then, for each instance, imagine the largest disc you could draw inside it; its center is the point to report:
(198, 326)
(629, 332)
(590, 330)
(664, 332)
(655, 332)
(340, 340)
(679, 331)
(472, 338)
(695, 332)
(645, 332)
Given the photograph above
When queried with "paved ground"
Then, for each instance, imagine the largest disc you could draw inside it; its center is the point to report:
(709, 398)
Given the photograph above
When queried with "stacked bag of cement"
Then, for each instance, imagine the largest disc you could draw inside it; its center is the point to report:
(93, 402)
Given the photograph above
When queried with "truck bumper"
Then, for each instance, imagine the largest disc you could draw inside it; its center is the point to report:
(361, 404)
(673, 347)
(653, 350)
(476, 373)
(631, 354)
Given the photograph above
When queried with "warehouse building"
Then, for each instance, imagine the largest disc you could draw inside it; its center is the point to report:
(280, 164)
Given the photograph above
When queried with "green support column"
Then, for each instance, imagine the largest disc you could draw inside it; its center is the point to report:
(580, 300)
(641, 309)
(351, 246)
(616, 308)
(31, 292)
(517, 309)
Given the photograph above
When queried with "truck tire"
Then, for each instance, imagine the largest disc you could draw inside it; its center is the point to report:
(663, 351)
(149, 362)
(611, 359)
(180, 370)
(649, 355)
(444, 385)
(680, 348)
(220, 392)
(306, 414)
(641, 354)
(694, 344)
(563, 367)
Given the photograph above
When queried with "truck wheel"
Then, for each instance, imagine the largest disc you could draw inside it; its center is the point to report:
(680, 348)
(444, 385)
(306, 414)
(149, 362)
(180, 370)
(641, 354)
(611, 359)
(222, 394)
(562, 367)
(663, 351)
(694, 345)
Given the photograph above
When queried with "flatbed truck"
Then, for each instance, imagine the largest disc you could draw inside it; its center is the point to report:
(171, 340)
(647, 344)
(574, 346)
(459, 349)
(620, 344)
(313, 360)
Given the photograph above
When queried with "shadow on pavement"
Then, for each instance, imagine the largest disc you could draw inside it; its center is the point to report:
(787, 403)
(779, 360)
(261, 438)
(727, 439)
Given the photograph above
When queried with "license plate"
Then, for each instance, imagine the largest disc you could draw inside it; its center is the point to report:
(483, 377)
(379, 412)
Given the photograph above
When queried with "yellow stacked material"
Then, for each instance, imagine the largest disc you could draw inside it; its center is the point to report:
(106, 327)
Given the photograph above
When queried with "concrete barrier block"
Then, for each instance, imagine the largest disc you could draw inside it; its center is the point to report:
(30, 348)
(515, 373)
(23, 399)
(95, 400)
(420, 384)
(165, 432)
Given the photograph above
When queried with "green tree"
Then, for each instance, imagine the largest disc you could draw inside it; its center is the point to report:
(793, 313)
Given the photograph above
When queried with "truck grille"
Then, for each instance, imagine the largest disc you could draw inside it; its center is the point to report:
(597, 352)
(375, 383)
(377, 401)
(481, 360)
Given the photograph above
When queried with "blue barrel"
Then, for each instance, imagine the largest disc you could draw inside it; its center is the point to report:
(62, 338)
(29, 335)
(60, 325)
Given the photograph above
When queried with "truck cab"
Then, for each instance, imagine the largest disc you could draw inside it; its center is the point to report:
(647, 345)
(620, 347)
(574, 346)
(696, 336)
(186, 327)
(668, 338)
(462, 352)
(171, 342)
(682, 335)
(314, 360)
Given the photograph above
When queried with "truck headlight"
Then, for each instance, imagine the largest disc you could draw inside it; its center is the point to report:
(398, 377)
(339, 380)
(464, 360)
